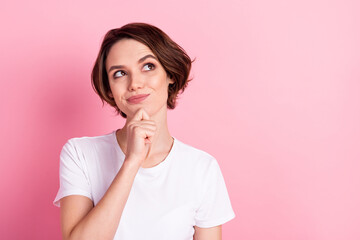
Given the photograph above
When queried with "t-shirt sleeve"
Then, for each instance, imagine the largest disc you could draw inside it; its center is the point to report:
(72, 174)
(215, 207)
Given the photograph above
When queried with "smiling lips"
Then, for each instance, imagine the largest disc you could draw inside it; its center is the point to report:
(137, 98)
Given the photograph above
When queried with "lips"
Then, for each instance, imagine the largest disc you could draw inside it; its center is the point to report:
(137, 98)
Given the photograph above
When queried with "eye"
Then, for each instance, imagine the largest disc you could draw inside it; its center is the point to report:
(150, 66)
(118, 74)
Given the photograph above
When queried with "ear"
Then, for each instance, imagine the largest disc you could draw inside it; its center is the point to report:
(171, 81)
(110, 94)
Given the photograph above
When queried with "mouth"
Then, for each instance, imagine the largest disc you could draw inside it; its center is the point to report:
(137, 98)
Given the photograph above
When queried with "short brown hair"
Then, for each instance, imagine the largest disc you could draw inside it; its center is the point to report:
(172, 57)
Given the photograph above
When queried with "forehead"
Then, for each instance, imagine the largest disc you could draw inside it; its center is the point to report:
(127, 51)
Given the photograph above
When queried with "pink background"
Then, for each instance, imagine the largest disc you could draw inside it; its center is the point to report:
(275, 98)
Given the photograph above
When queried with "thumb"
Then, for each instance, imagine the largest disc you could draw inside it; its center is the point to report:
(149, 150)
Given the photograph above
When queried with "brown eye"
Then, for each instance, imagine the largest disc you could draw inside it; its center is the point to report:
(150, 66)
(118, 74)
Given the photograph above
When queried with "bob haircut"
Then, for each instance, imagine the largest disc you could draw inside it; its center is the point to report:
(172, 57)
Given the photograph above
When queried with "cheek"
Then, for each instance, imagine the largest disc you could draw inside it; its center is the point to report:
(117, 93)
(116, 89)
(159, 82)
(163, 88)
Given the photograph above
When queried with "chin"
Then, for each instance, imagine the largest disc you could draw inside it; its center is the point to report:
(134, 110)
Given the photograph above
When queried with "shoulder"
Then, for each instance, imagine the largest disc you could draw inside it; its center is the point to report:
(85, 143)
(194, 155)
(91, 139)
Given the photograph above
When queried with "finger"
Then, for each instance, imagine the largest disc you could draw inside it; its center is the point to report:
(143, 131)
(147, 121)
(148, 134)
(140, 115)
(143, 121)
(143, 124)
(145, 115)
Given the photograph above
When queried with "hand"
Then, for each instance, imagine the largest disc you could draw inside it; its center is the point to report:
(140, 132)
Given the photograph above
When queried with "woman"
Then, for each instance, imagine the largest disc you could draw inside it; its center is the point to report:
(139, 182)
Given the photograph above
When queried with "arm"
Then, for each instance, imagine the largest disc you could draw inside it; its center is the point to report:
(213, 233)
(81, 220)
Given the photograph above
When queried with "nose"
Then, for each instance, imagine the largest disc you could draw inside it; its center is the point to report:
(136, 81)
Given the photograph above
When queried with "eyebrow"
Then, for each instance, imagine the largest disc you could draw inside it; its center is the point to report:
(140, 61)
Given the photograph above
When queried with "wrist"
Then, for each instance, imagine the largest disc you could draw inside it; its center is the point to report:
(130, 163)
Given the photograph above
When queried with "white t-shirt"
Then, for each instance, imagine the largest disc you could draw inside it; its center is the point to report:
(165, 201)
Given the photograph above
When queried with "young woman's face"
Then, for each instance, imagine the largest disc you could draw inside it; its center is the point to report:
(133, 69)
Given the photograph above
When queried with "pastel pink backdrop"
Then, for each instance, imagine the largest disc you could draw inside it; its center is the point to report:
(275, 98)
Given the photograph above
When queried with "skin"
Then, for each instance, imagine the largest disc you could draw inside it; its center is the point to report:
(145, 140)
(148, 77)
